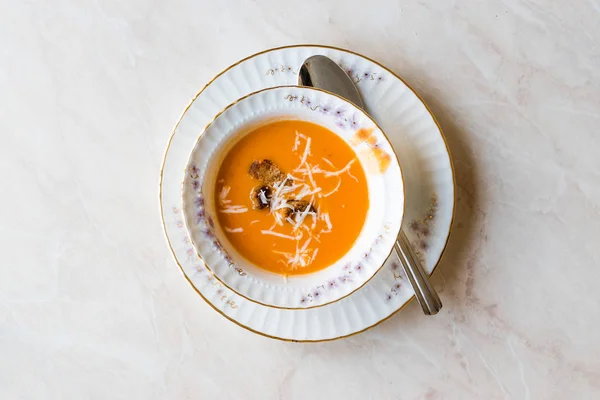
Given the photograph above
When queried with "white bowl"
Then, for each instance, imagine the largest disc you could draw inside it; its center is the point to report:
(374, 243)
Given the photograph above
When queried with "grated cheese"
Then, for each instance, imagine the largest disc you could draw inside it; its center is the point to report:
(233, 210)
(338, 172)
(334, 190)
(263, 197)
(296, 142)
(314, 255)
(328, 162)
(224, 192)
(300, 217)
(352, 176)
(325, 217)
(227, 207)
(278, 219)
(305, 244)
(310, 175)
(281, 235)
(294, 178)
(306, 151)
(235, 230)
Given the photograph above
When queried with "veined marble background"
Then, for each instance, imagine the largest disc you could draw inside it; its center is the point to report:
(92, 305)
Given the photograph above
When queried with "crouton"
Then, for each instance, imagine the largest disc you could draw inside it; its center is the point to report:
(261, 197)
(266, 172)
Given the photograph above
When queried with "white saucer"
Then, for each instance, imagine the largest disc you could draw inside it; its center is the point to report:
(428, 176)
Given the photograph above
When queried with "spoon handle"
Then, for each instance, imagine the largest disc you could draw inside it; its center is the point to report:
(424, 291)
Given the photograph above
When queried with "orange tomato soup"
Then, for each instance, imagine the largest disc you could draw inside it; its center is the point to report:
(291, 197)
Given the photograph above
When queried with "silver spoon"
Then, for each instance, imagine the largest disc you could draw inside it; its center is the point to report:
(323, 73)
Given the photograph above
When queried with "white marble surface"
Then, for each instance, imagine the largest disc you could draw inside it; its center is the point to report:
(91, 303)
